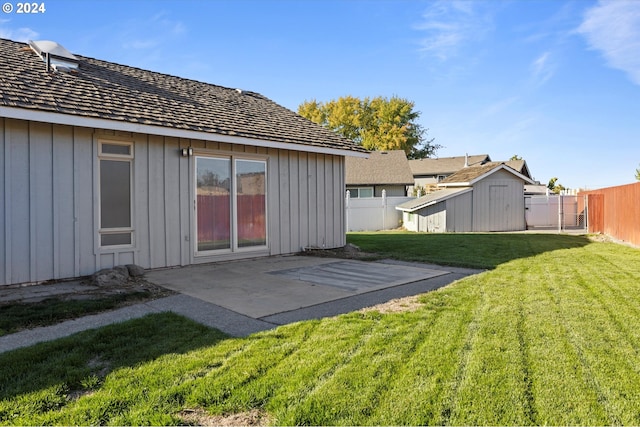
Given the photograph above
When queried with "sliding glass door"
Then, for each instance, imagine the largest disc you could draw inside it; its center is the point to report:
(231, 210)
(251, 211)
(213, 202)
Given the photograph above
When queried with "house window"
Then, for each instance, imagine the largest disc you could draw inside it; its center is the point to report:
(115, 186)
(361, 193)
(441, 177)
(231, 210)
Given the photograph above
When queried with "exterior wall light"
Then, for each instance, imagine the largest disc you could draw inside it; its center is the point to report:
(186, 152)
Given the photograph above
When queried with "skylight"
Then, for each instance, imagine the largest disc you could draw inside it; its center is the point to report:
(55, 55)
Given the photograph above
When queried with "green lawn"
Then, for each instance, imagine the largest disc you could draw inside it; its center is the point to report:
(548, 335)
(18, 316)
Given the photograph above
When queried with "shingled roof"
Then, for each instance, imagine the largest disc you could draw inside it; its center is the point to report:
(123, 94)
(445, 165)
(431, 199)
(382, 167)
(468, 176)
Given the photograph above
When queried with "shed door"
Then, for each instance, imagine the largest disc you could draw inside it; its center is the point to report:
(498, 208)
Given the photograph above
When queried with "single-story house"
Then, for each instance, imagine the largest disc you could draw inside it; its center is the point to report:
(429, 172)
(104, 164)
(488, 197)
(383, 170)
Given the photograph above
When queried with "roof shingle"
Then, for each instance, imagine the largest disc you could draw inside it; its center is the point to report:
(382, 167)
(116, 92)
(467, 176)
(444, 165)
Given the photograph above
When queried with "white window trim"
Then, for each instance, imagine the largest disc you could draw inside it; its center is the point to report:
(364, 188)
(232, 157)
(119, 230)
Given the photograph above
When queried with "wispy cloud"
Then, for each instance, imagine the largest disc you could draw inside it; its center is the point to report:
(613, 28)
(449, 25)
(19, 34)
(498, 107)
(542, 69)
(157, 31)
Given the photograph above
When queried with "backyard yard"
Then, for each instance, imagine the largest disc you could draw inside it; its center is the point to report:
(548, 334)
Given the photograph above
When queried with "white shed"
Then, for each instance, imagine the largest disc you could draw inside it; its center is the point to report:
(489, 197)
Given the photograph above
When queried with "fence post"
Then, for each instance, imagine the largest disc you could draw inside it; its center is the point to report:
(560, 212)
(384, 208)
(346, 204)
(586, 213)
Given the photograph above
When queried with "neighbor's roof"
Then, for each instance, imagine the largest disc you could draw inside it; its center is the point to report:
(444, 165)
(472, 174)
(432, 199)
(132, 99)
(382, 167)
(520, 166)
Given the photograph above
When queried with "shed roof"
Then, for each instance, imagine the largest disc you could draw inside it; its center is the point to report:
(432, 199)
(472, 174)
(520, 166)
(445, 165)
(382, 167)
(129, 98)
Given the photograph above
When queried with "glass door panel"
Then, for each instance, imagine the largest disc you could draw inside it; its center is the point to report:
(251, 211)
(213, 203)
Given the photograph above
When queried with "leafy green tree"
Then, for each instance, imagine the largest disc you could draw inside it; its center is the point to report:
(515, 157)
(638, 174)
(555, 186)
(375, 123)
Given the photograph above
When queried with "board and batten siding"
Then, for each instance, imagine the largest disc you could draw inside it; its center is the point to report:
(460, 213)
(453, 215)
(498, 203)
(49, 201)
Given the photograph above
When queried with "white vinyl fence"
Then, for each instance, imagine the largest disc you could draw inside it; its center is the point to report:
(373, 213)
(554, 211)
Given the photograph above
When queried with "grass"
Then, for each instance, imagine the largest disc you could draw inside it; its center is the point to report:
(546, 336)
(19, 316)
(462, 250)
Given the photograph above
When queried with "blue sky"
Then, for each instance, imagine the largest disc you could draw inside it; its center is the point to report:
(555, 82)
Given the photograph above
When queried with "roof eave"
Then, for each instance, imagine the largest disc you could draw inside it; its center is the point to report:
(100, 123)
(456, 184)
(433, 202)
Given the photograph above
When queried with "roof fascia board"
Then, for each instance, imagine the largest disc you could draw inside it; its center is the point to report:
(486, 174)
(456, 184)
(91, 122)
(433, 202)
(508, 169)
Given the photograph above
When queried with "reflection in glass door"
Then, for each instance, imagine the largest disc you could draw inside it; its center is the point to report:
(251, 209)
(213, 203)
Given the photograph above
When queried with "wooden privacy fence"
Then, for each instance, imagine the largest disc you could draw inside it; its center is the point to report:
(615, 211)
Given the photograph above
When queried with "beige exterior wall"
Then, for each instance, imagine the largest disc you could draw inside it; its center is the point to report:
(49, 201)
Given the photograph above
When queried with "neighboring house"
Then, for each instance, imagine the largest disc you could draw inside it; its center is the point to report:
(104, 164)
(383, 170)
(488, 197)
(427, 173)
(519, 166)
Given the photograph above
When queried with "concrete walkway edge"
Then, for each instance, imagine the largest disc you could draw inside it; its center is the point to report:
(202, 312)
(229, 321)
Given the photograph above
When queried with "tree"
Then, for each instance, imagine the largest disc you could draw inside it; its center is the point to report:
(638, 174)
(376, 124)
(515, 157)
(555, 186)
